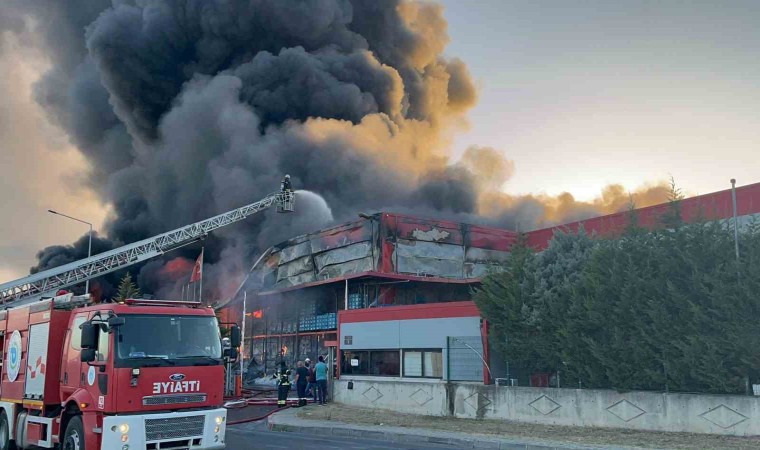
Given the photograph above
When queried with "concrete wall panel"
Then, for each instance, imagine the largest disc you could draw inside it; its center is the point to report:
(425, 398)
(694, 413)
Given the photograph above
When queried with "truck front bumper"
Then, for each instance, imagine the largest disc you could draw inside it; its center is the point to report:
(203, 429)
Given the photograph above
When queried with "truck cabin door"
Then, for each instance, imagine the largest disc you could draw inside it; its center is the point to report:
(71, 372)
(96, 374)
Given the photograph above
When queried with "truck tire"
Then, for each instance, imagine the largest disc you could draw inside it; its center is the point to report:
(74, 437)
(5, 433)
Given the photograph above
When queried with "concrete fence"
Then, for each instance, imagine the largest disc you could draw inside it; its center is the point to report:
(715, 414)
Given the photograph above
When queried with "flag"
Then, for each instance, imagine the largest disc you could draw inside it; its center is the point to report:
(197, 269)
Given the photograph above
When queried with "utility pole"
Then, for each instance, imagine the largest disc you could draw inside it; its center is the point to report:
(736, 221)
(243, 347)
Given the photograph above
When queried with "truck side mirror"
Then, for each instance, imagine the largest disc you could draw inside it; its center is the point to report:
(234, 336)
(89, 335)
(87, 355)
(231, 353)
(116, 321)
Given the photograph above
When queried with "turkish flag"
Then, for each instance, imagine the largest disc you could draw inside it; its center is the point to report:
(197, 269)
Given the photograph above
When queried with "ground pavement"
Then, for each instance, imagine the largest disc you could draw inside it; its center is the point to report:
(342, 434)
(257, 436)
(342, 420)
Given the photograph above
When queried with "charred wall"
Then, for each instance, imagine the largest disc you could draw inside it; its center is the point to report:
(383, 244)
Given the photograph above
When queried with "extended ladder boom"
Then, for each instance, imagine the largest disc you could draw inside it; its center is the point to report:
(46, 283)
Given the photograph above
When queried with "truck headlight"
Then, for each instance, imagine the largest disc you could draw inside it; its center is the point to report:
(219, 420)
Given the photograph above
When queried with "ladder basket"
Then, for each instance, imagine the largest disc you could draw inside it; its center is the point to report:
(286, 202)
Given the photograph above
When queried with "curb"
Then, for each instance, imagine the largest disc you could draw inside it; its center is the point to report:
(286, 421)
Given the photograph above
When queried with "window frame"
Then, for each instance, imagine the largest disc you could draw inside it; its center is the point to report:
(75, 340)
(121, 361)
(422, 352)
(104, 342)
(369, 352)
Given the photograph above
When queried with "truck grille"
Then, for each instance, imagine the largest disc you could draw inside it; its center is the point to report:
(173, 399)
(174, 428)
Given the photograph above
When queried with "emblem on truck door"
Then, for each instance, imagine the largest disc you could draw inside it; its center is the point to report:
(177, 377)
(14, 355)
(91, 375)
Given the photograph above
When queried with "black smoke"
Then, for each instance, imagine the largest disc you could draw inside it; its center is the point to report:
(188, 108)
(185, 109)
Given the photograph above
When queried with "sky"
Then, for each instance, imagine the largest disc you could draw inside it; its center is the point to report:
(579, 94)
(40, 169)
(626, 91)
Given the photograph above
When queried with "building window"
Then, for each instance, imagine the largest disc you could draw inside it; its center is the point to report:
(384, 363)
(423, 363)
(355, 363)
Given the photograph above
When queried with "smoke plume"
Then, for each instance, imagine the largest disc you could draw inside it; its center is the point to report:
(185, 109)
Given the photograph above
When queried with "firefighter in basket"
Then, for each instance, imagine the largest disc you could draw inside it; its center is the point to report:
(285, 185)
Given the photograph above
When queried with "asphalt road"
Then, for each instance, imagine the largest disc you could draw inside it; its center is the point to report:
(257, 436)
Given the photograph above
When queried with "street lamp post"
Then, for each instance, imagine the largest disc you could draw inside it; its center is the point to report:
(89, 246)
(736, 220)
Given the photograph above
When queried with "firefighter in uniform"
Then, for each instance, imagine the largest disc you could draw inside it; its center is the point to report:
(285, 184)
(283, 384)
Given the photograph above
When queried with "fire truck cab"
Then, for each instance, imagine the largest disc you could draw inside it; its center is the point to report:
(143, 374)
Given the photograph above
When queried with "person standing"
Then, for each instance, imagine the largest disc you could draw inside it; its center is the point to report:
(302, 376)
(283, 384)
(320, 373)
(311, 386)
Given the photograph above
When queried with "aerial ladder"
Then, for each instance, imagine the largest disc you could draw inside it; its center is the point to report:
(48, 283)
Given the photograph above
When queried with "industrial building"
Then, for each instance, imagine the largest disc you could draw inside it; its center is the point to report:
(389, 295)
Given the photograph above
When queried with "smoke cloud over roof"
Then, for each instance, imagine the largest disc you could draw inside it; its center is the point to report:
(185, 109)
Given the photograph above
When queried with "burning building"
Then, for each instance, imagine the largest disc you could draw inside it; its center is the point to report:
(391, 293)
(418, 271)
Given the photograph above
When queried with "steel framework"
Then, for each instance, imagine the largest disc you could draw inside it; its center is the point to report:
(33, 287)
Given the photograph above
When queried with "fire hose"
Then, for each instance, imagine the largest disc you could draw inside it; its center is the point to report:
(246, 402)
(256, 419)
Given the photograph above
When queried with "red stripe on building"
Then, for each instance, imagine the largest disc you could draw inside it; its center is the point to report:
(409, 312)
(713, 206)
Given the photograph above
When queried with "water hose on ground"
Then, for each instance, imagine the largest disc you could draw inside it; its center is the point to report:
(256, 419)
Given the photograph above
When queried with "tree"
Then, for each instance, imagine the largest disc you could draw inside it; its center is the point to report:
(653, 309)
(127, 289)
(502, 300)
(528, 300)
(673, 218)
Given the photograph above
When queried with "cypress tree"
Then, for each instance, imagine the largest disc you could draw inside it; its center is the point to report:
(127, 289)
(660, 309)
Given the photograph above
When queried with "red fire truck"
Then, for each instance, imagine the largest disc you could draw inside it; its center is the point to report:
(142, 374)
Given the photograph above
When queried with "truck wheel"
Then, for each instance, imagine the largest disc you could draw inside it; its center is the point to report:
(5, 433)
(74, 438)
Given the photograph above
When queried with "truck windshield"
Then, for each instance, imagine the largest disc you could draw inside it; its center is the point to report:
(161, 337)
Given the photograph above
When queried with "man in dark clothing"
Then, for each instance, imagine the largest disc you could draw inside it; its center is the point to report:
(285, 184)
(311, 387)
(283, 384)
(302, 375)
